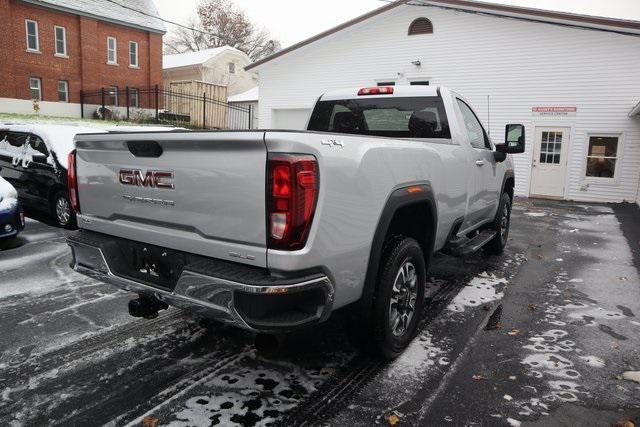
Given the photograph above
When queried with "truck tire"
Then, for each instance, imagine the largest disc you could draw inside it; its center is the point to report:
(62, 212)
(501, 225)
(399, 297)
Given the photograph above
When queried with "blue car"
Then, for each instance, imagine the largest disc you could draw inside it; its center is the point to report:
(11, 214)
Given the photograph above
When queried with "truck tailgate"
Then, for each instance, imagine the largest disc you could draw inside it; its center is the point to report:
(202, 193)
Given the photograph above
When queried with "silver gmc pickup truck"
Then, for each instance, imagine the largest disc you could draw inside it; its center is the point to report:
(274, 230)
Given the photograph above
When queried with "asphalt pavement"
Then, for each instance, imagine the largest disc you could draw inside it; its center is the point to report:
(541, 335)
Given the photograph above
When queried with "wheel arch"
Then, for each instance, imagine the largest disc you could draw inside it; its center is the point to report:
(404, 204)
(508, 184)
(54, 189)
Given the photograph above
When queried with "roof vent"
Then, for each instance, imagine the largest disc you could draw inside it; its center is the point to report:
(420, 26)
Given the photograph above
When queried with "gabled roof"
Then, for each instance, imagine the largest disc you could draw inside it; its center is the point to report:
(141, 14)
(538, 15)
(252, 95)
(189, 59)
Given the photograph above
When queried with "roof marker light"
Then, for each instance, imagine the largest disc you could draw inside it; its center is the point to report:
(377, 90)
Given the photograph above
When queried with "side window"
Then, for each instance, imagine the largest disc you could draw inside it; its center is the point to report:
(474, 129)
(37, 145)
(17, 139)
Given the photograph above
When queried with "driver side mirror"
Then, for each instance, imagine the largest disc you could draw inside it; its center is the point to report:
(514, 140)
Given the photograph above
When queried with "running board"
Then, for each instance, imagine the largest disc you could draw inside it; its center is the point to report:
(464, 246)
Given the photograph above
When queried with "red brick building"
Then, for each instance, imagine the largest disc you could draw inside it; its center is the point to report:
(52, 49)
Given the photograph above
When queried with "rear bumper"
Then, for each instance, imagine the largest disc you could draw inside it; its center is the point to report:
(231, 293)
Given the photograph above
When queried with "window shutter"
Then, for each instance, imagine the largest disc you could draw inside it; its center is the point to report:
(420, 26)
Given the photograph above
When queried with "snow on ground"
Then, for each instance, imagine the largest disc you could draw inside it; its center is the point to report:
(421, 354)
(569, 354)
(67, 337)
(480, 290)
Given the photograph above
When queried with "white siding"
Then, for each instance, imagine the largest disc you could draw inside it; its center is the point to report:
(290, 118)
(518, 64)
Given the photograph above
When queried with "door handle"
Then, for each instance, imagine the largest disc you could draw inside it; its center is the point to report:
(479, 162)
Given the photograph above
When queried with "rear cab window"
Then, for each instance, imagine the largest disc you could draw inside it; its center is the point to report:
(393, 117)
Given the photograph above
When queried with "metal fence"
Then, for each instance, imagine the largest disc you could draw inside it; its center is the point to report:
(164, 106)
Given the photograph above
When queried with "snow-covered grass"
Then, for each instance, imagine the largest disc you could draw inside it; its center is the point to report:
(34, 118)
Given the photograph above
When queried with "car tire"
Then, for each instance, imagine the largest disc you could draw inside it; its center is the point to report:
(501, 225)
(62, 212)
(399, 297)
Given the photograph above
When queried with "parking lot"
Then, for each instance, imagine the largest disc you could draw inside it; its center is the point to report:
(542, 334)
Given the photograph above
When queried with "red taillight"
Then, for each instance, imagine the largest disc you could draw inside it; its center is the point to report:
(377, 90)
(292, 197)
(72, 182)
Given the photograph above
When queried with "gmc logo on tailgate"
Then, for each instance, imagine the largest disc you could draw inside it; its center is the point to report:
(150, 179)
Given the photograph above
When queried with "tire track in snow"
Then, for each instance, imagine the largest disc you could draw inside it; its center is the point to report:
(52, 387)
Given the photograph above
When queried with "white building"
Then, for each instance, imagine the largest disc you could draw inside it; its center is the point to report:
(246, 101)
(573, 80)
(223, 66)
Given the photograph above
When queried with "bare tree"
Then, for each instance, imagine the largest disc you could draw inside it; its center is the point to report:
(186, 39)
(220, 23)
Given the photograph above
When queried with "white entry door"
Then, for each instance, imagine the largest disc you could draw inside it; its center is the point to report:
(550, 162)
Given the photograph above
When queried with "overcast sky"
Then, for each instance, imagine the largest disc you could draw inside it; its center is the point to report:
(291, 21)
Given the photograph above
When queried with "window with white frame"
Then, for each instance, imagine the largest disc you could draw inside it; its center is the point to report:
(551, 148)
(112, 50)
(63, 91)
(602, 156)
(113, 95)
(134, 98)
(35, 88)
(61, 41)
(133, 54)
(33, 42)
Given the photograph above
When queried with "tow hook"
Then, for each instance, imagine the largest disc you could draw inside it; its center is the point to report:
(146, 307)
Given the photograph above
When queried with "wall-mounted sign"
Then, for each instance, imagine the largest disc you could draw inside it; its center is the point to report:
(554, 111)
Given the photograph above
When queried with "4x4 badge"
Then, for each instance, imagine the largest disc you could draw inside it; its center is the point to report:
(333, 143)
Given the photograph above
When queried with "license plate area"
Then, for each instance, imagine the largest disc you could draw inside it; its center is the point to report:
(152, 265)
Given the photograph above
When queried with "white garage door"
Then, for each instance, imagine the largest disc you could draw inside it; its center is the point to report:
(295, 119)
